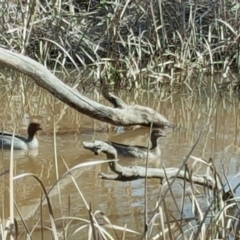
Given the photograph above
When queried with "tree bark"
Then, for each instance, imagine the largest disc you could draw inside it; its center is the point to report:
(121, 115)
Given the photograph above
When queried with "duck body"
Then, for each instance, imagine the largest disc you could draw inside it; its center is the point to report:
(136, 151)
(20, 143)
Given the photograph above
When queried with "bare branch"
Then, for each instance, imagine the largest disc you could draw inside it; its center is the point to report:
(122, 115)
(137, 172)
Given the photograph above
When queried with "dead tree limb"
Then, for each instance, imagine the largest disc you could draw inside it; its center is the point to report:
(121, 115)
(137, 172)
(115, 101)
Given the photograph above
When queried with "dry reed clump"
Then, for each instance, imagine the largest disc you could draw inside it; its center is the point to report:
(214, 213)
(131, 39)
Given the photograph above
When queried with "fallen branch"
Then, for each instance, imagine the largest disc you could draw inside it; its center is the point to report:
(121, 115)
(137, 172)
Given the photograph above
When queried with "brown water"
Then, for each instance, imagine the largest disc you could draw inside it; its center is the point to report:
(123, 202)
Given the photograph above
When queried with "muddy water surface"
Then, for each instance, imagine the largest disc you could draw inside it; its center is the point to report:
(123, 202)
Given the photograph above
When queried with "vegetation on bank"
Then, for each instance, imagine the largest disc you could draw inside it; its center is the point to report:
(129, 41)
(126, 41)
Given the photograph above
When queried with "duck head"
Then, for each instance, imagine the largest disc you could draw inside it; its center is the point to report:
(33, 128)
(157, 133)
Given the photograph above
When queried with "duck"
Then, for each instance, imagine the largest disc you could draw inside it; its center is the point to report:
(141, 151)
(21, 143)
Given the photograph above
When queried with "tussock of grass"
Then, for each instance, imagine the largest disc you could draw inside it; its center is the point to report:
(161, 38)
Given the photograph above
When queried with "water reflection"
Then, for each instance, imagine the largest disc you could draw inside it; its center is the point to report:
(217, 119)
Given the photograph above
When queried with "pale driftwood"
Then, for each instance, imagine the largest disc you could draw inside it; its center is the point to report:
(137, 172)
(115, 101)
(122, 115)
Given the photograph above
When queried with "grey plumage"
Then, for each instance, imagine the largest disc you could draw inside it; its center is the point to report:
(20, 143)
(141, 151)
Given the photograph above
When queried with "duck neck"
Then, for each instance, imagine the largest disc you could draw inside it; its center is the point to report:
(30, 137)
(155, 149)
(154, 143)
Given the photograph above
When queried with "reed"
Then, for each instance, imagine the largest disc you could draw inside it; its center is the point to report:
(217, 218)
(157, 42)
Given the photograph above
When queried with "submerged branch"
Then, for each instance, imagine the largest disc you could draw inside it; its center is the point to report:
(137, 172)
(121, 115)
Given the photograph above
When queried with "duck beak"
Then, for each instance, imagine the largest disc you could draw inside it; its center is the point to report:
(163, 135)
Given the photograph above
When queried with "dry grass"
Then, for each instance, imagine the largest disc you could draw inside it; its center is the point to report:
(214, 211)
(218, 218)
(153, 45)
